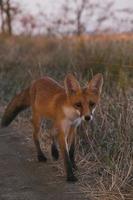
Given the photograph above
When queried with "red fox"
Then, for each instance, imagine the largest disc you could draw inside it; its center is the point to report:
(65, 106)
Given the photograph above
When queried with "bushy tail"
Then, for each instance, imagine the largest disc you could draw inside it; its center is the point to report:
(20, 102)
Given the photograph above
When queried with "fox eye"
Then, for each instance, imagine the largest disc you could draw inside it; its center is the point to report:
(78, 105)
(91, 104)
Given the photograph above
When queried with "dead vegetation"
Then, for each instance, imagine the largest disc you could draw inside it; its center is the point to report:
(105, 148)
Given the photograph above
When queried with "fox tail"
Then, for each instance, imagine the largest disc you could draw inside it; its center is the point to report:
(19, 103)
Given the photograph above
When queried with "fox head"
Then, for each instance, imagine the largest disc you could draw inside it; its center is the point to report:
(81, 102)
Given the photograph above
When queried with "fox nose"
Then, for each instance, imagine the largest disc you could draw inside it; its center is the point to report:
(87, 118)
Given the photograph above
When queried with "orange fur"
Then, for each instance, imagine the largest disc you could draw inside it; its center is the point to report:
(65, 106)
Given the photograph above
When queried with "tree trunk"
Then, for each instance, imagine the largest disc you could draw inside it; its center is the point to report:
(2, 17)
(9, 20)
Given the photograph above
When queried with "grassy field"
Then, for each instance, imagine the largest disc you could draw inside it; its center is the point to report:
(106, 146)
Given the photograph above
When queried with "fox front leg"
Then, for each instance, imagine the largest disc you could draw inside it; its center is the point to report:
(71, 143)
(65, 154)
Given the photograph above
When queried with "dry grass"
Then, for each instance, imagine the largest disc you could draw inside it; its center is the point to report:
(105, 148)
(110, 146)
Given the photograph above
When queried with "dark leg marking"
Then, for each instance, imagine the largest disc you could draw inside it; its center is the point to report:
(41, 157)
(72, 155)
(70, 175)
(54, 151)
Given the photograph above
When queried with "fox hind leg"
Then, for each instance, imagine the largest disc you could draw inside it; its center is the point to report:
(36, 124)
(54, 150)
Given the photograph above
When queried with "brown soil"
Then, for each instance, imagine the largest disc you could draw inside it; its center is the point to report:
(23, 178)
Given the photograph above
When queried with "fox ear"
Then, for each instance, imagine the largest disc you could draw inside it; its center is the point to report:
(72, 86)
(96, 83)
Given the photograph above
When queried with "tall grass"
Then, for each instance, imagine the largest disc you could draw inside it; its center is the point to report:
(106, 146)
(24, 59)
(108, 149)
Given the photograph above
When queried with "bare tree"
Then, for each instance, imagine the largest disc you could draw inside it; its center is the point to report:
(8, 13)
(125, 18)
(2, 16)
(8, 10)
(76, 13)
(77, 16)
(70, 17)
(84, 7)
(28, 23)
(106, 14)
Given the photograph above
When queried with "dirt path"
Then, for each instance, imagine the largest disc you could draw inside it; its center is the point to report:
(23, 178)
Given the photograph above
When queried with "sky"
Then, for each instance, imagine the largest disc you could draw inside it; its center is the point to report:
(53, 4)
(50, 7)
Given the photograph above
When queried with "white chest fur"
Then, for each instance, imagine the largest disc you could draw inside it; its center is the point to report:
(67, 124)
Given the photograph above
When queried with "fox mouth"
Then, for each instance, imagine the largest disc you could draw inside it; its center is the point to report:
(79, 120)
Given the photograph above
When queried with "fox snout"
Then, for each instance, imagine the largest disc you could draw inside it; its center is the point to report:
(87, 118)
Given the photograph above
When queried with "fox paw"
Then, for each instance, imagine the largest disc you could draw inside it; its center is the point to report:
(41, 158)
(74, 166)
(72, 179)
